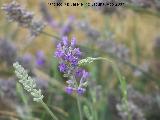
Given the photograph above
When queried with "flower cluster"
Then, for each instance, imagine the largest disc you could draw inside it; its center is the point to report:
(69, 56)
(16, 13)
(28, 83)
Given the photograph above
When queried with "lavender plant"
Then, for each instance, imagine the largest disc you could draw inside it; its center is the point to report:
(29, 85)
(70, 63)
(69, 56)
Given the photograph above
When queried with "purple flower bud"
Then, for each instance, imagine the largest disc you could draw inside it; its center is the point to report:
(65, 40)
(73, 42)
(85, 74)
(69, 90)
(59, 46)
(81, 91)
(77, 52)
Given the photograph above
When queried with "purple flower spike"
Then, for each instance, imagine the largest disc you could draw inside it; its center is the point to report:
(69, 56)
(69, 90)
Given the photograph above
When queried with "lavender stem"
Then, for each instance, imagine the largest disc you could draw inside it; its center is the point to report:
(49, 111)
(79, 107)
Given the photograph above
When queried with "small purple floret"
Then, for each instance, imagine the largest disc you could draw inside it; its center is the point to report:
(69, 90)
(79, 72)
(85, 74)
(65, 40)
(62, 67)
(73, 42)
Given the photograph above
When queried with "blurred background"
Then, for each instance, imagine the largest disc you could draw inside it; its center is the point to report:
(128, 34)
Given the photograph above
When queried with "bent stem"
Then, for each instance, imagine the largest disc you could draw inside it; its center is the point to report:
(122, 83)
(49, 111)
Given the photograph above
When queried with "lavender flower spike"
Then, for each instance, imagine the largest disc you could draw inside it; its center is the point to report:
(16, 13)
(69, 57)
(28, 83)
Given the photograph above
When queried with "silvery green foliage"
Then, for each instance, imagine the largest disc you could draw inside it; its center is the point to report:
(28, 83)
(85, 61)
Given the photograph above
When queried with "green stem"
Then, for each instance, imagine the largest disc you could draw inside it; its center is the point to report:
(78, 100)
(79, 107)
(49, 111)
(50, 35)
